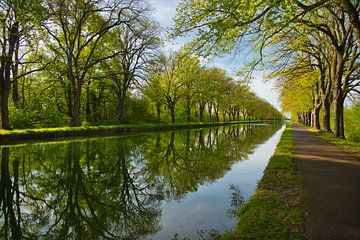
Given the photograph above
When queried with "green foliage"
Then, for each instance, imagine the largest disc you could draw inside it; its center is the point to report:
(352, 123)
(104, 70)
(221, 26)
(21, 119)
(38, 113)
(351, 142)
(139, 111)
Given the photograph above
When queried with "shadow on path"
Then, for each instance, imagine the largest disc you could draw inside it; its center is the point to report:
(329, 180)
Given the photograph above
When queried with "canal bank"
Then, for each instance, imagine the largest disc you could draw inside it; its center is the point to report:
(9, 137)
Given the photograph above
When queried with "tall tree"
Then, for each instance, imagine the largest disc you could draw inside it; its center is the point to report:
(17, 17)
(78, 28)
(137, 47)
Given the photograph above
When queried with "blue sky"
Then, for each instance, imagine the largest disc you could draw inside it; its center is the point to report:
(165, 10)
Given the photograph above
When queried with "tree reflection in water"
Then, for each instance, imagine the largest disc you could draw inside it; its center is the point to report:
(113, 187)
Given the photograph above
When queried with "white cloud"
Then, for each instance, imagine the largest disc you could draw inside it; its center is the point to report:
(164, 11)
(266, 90)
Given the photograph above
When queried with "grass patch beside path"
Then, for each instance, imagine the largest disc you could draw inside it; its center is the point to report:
(345, 144)
(273, 211)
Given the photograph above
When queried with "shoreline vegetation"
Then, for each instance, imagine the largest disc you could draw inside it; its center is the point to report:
(273, 211)
(8, 137)
(349, 146)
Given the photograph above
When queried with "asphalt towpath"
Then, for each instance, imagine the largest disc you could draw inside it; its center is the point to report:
(329, 181)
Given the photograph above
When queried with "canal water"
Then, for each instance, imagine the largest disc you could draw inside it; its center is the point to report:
(171, 185)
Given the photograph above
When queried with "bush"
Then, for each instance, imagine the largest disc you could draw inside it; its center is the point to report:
(20, 119)
(352, 123)
(38, 113)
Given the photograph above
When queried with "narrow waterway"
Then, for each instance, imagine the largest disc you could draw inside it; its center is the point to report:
(169, 185)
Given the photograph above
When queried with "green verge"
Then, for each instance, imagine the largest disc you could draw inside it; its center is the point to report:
(345, 144)
(8, 136)
(273, 212)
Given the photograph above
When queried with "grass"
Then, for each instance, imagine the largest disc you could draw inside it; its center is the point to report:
(107, 127)
(345, 144)
(18, 136)
(273, 211)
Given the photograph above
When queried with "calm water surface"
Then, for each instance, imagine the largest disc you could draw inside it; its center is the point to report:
(171, 185)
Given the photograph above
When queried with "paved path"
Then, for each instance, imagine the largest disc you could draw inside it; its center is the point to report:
(330, 188)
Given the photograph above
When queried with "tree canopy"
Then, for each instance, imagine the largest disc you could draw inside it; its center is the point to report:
(296, 41)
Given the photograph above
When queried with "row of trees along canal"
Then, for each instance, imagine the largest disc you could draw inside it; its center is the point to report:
(312, 47)
(66, 62)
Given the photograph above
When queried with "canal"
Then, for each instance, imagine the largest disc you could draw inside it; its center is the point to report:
(185, 184)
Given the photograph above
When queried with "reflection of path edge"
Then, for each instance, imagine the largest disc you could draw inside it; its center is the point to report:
(23, 136)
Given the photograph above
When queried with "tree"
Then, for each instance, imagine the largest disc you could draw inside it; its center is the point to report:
(166, 80)
(190, 74)
(221, 25)
(344, 59)
(17, 18)
(136, 47)
(78, 28)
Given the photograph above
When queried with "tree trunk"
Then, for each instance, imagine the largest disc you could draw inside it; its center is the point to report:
(326, 115)
(201, 109)
(158, 110)
(338, 117)
(5, 123)
(316, 107)
(121, 109)
(5, 72)
(216, 108)
(353, 17)
(210, 111)
(75, 120)
(338, 100)
(172, 113)
(188, 108)
(308, 115)
(316, 117)
(88, 108)
(15, 84)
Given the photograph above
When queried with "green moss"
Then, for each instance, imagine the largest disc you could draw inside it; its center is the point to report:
(273, 211)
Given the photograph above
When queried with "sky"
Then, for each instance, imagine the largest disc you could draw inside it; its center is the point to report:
(165, 10)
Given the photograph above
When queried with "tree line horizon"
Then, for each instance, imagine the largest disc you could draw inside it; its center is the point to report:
(101, 62)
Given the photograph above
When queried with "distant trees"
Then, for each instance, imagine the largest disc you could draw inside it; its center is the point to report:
(180, 79)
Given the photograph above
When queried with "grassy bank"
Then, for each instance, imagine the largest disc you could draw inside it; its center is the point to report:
(345, 144)
(273, 211)
(9, 136)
